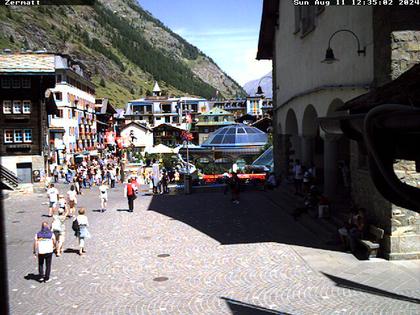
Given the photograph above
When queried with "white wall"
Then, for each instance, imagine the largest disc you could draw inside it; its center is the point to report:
(144, 137)
(298, 60)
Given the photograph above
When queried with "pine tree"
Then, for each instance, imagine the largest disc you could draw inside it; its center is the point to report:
(11, 39)
(102, 83)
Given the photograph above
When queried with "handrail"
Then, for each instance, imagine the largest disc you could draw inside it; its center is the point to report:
(9, 176)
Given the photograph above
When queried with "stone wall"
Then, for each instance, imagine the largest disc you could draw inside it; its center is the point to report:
(405, 47)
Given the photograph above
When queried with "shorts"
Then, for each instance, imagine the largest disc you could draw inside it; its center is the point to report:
(105, 199)
(53, 204)
(60, 236)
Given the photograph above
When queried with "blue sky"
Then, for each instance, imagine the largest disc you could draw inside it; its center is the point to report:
(225, 30)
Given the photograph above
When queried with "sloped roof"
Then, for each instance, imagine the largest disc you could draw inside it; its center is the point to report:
(267, 29)
(403, 90)
(216, 111)
(136, 124)
(156, 88)
(27, 62)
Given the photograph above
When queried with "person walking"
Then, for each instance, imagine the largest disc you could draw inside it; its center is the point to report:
(130, 192)
(298, 177)
(44, 244)
(235, 187)
(155, 176)
(82, 231)
(52, 193)
(58, 227)
(72, 200)
(103, 195)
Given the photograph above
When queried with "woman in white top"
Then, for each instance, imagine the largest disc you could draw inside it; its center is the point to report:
(44, 244)
(58, 226)
(103, 195)
(82, 232)
(72, 200)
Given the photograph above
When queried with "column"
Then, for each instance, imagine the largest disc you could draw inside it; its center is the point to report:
(330, 165)
(308, 144)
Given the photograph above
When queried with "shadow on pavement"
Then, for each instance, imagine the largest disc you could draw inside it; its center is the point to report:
(31, 276)
(254, 220)
(122, 210)
(241, 308)
(71, 251)
(343, 283)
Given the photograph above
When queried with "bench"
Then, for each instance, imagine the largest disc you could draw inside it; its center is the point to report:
(372, 242)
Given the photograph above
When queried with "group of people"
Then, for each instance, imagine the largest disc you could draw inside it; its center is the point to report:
(51, 239)
(353, 229)
(303, 177)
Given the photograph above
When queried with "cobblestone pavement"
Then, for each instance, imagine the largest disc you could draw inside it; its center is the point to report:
(211, 257)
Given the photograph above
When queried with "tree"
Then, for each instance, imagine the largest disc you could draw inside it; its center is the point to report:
(132, 91)
(11, 39)
(102, 83)
(130, 73)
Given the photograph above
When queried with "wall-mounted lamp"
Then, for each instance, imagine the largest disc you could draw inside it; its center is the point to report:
(259, 88)
(329, 55)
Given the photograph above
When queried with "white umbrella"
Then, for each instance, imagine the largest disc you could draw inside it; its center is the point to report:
(159, 149)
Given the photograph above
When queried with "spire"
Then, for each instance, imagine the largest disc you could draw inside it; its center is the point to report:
(156, 89)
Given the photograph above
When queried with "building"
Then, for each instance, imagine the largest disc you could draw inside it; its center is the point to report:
(105, 120)
(257, 106)
(212, 120)
(167, 134)
(74, 127)
(137, 137)
(25, 81)
(157, 109)
(374, 45)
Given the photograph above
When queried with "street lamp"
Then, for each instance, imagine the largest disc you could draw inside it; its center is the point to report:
(329, 54)
(259, 89)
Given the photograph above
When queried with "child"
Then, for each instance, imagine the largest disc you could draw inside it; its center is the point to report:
(103, 195)
(62, 202)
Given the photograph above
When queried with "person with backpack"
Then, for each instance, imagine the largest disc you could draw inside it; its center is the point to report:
(130, 192)
(58, 227)
(44, 244)
(80, 227)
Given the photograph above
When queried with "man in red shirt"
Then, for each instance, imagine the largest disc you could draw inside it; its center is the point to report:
(130, 191)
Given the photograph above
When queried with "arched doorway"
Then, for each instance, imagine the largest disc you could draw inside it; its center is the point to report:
(291, 130)
(312, 143)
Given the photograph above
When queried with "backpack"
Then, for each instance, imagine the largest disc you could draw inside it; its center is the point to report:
(75, 225)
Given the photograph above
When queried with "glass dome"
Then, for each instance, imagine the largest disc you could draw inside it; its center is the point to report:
(236, 136)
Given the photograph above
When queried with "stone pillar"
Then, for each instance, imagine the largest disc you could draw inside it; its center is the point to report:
(308, 144)
(330, 166)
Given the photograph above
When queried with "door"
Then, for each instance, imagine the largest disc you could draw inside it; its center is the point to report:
(24, 172)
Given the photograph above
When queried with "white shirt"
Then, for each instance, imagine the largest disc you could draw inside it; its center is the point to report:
(52, 194)
(71, 194)
(104, 191)
(45, 245)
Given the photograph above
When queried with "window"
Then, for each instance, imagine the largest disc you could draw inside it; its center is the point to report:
(216, 118)
(58, 78)
(308, 19)
(27, 135)
(7, 107)
(58, 96)
(26, 83)
(18, 136)
(16, 83)
(26, 108)
(17, 107)
(8, 136)
(5, 83)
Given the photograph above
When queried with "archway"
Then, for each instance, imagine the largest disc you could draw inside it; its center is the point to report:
(292, 133)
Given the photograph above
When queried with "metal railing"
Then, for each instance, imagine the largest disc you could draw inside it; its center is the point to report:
(9, 178)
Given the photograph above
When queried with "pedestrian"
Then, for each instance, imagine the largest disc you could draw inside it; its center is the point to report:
(52, 193)
(72, 200)
(235, 187)
(62, 204)
(103, 195)
(58, 227)
(155, 176)
(82, 231)
(307, 179)
(164, 183)
(298, 177)
(44, 244)
(130, 192)
(112, 176)
(55, 174)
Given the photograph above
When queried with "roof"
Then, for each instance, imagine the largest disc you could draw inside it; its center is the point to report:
(403, 90)
(236, 136)
(27, 62)
(267, 29)
(104, 106)
(156, 88)
(136, 124)
(168, 126)
(217, 111)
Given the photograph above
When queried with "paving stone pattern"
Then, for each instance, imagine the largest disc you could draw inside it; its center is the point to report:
(250, 258)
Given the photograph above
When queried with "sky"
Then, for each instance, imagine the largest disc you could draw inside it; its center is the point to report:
(225, 30)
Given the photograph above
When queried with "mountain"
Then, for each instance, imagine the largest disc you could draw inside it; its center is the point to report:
(123, 47)
(266, 85)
